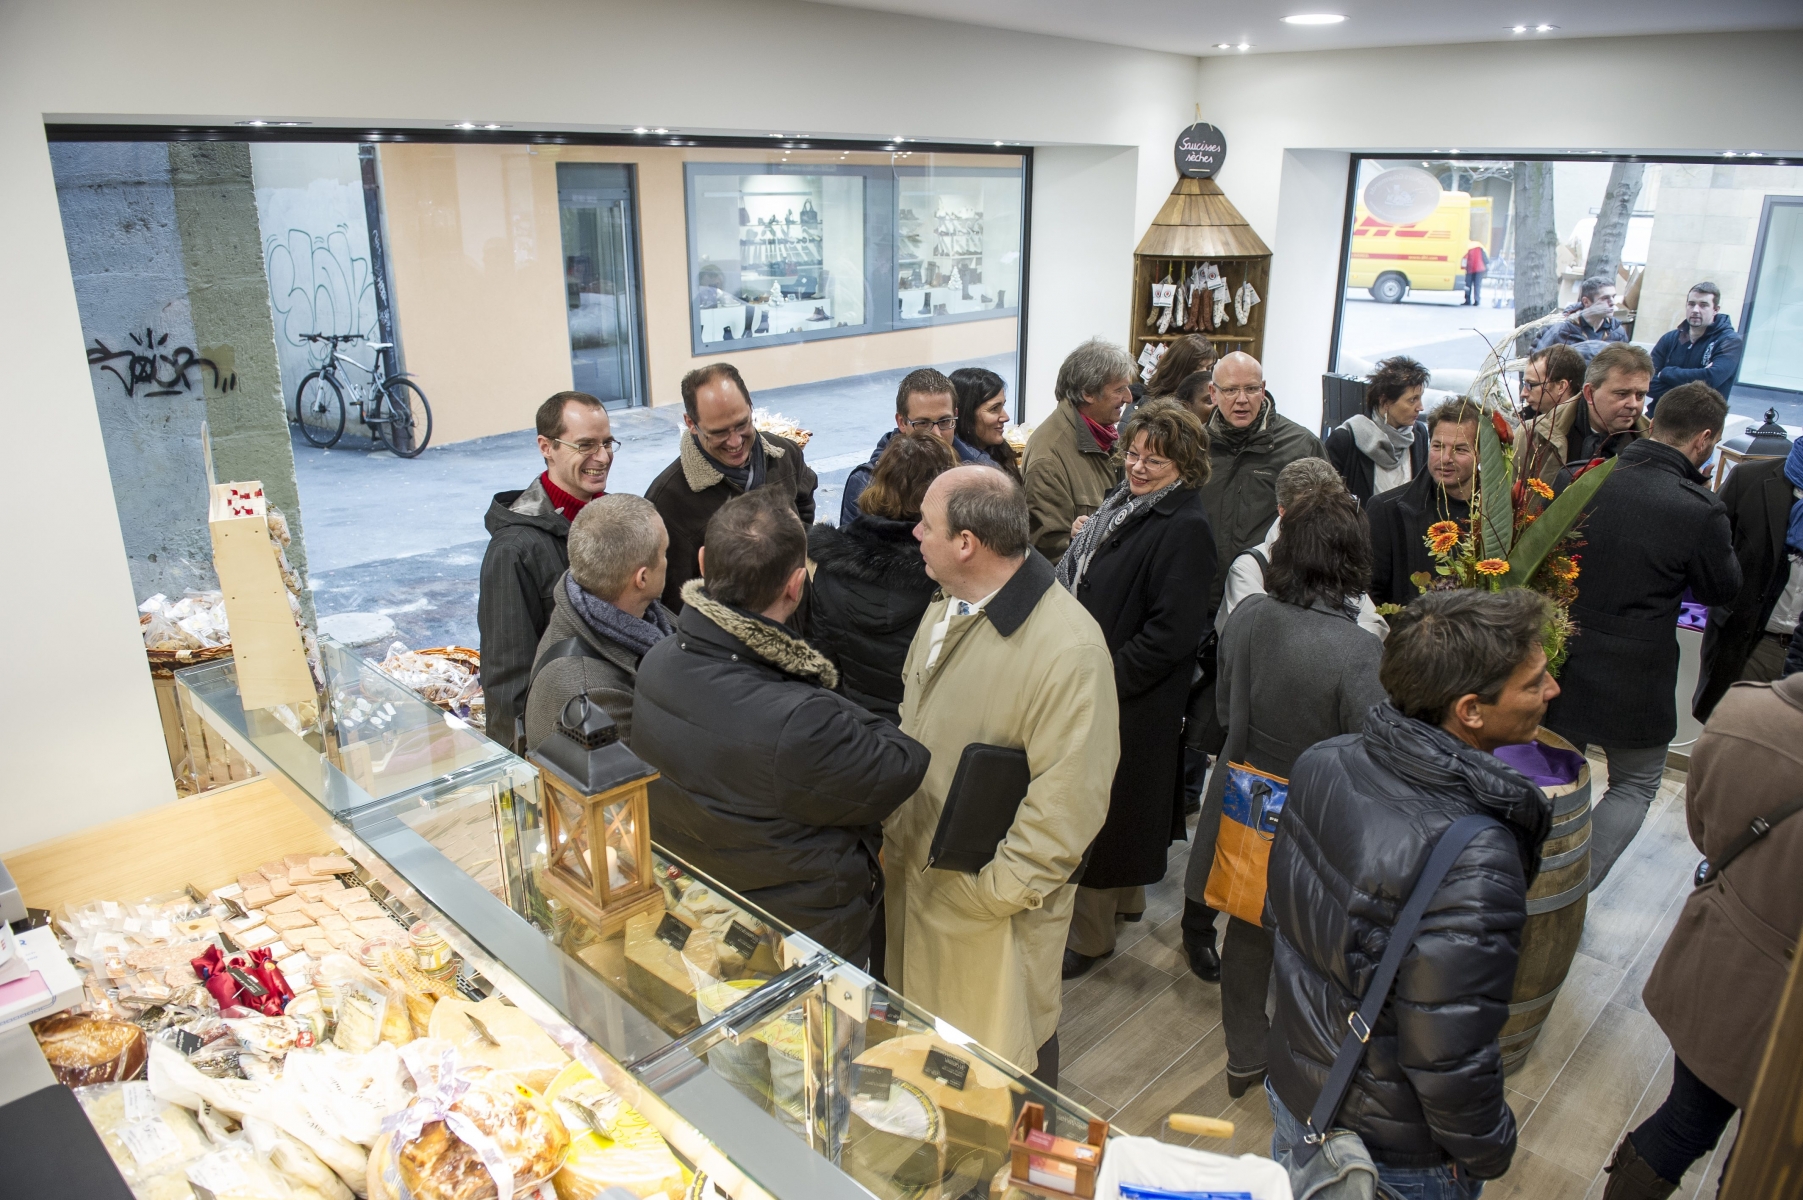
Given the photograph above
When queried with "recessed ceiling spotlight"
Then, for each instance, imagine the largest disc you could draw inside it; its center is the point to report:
(998, 143)
(1244, 46)
(1518, 29)
(640, 129)
(461, 125)
(1315, 19)
(278, 124)
(1544, 28)
(1753, 154)
(253, 122)
(660, 129)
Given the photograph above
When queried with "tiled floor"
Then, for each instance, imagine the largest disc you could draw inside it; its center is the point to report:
(1141, 1036)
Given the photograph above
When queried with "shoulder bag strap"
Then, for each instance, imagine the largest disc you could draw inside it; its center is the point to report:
(1756, 829)
(1447, 849)
(570, 647)
(1264, 564)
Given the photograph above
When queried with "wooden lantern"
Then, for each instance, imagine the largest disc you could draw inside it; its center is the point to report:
(597, 819)
(1198, 224)
(1769, 440)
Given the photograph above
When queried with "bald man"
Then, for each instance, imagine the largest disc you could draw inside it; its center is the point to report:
(1249, 443)
(1003, 657)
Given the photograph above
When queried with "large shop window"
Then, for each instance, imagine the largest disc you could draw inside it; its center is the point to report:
(1774, 320)
(788, 253)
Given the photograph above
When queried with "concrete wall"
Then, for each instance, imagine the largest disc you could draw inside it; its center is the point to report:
(1417, 99)
(125, 254)
(1706, 224)
(315, 234)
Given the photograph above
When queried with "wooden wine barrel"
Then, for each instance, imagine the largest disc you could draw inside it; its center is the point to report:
(1556, 905)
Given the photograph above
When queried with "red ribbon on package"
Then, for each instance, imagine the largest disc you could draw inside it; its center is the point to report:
(255, 983)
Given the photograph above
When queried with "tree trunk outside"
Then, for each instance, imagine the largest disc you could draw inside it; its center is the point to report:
(1612, 219)
(1536, 245)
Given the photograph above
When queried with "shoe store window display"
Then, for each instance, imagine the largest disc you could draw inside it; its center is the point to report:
(776, 255)
(957, 242)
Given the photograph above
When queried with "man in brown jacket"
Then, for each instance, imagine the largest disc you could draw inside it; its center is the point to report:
(1714, 990)
(1596, 423)
(1003, 657)
(1071, 463)
(720, 455)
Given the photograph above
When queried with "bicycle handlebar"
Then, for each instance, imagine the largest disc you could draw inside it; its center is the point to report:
(331, 337)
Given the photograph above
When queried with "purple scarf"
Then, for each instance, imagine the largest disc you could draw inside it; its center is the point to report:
(615, 624)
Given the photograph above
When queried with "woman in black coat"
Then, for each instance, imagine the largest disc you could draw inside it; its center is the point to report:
(1140, 566)
(1385, 446)
(870, 585)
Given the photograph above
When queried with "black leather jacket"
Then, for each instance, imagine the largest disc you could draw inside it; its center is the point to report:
(1363, 813)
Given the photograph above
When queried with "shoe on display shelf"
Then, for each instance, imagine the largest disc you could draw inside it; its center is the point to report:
(939, 311)
(763, 322)
(819, 314)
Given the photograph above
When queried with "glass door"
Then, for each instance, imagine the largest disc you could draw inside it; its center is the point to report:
(601, 282)
(1773, 318)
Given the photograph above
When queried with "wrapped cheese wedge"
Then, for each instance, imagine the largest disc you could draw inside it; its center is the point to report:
(611, 1143)
(495, 1034)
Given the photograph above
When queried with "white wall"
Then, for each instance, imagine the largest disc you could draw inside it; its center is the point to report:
(1083, 215)
(1492, 98)
(80, 714)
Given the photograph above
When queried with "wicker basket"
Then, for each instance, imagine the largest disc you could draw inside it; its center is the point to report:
(165, 663)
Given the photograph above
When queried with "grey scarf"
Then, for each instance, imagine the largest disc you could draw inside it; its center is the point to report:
(616, 624)
(1120, 507)
(1380, 441)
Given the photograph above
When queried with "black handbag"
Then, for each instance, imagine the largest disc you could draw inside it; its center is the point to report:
(808, 214)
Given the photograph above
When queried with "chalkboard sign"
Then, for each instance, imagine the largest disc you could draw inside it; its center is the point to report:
(1201, 149)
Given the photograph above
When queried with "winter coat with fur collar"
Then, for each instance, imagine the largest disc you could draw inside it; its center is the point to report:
(772, 782)
(870, 587)
(691, 490)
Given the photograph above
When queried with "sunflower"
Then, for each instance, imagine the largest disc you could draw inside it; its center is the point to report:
(1492, 566)
(1541, 489)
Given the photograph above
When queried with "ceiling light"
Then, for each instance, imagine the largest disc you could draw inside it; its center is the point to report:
(1244, 46)
(1544, 28)
(1753, 154)
(1315, 19)
(998, 143)
(640, 129)
(660, 129)
(1518, 29)
(278, 124)
(462, 125)
(1223, 45)
(253, 122)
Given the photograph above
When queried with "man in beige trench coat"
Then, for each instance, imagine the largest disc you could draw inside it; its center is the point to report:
(1005, 657)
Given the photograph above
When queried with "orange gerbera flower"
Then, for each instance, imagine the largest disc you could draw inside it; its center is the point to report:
(1564, 569)
(1540, 488)
(1493, 566)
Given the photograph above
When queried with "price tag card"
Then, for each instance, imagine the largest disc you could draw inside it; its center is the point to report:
(942, 1068)
(1162, 294)
(673, 933)
(741, 940)
(874, 1082)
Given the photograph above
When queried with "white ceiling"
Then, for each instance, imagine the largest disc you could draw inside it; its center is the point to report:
(1194, 26)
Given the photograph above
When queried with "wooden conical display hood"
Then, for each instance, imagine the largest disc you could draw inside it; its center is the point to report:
(1198, 221)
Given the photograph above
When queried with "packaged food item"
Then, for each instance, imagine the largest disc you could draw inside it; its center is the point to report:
(270, 1038)
(496, 1034)
(611, 1143)
(236, 1171)
(476, 1134)
(85, 1049)
(350, 1095)
(367, 1009)
(150, 1141)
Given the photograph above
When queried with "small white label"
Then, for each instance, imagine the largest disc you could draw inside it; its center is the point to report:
(140, 1103)
(150, 1141)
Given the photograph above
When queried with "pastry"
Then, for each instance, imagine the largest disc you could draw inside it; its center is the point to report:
(438, 1165)
(83, 1050)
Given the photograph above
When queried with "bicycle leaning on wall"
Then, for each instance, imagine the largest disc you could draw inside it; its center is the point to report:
(392, 406)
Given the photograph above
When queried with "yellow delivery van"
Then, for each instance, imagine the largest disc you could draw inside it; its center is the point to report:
(1429, 255)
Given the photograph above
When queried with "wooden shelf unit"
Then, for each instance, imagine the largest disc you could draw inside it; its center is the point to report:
(1199, 224)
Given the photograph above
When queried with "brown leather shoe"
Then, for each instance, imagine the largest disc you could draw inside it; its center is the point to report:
(1630, 1178)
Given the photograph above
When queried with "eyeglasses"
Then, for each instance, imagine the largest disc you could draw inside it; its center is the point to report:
(588, 446)
(719, 437)
(1149, 461)
(1528, 385)
(943, 424)
(1233, 393)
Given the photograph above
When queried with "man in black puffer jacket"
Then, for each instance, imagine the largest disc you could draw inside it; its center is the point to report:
(1465, 673)
(771, 782)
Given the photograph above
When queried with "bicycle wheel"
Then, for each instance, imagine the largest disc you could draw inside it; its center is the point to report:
(409, 425)
(319, 410)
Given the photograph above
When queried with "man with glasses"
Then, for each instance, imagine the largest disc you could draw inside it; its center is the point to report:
(1553, 376)
(926, 402)
(720, 455)
(528, 550)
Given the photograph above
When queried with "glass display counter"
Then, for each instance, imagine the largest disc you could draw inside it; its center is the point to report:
(769, 1066)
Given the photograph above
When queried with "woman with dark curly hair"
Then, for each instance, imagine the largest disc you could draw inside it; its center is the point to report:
(1182, 358)
(1385, 446)
(983, 416)
(1141, 565)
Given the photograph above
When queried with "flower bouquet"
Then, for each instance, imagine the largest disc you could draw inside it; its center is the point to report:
(1520, 534)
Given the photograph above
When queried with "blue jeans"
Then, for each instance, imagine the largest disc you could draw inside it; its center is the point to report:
(1402, 1183)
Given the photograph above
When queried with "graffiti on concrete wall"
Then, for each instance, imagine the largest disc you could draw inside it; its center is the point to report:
(318, 285)
(156, 369)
